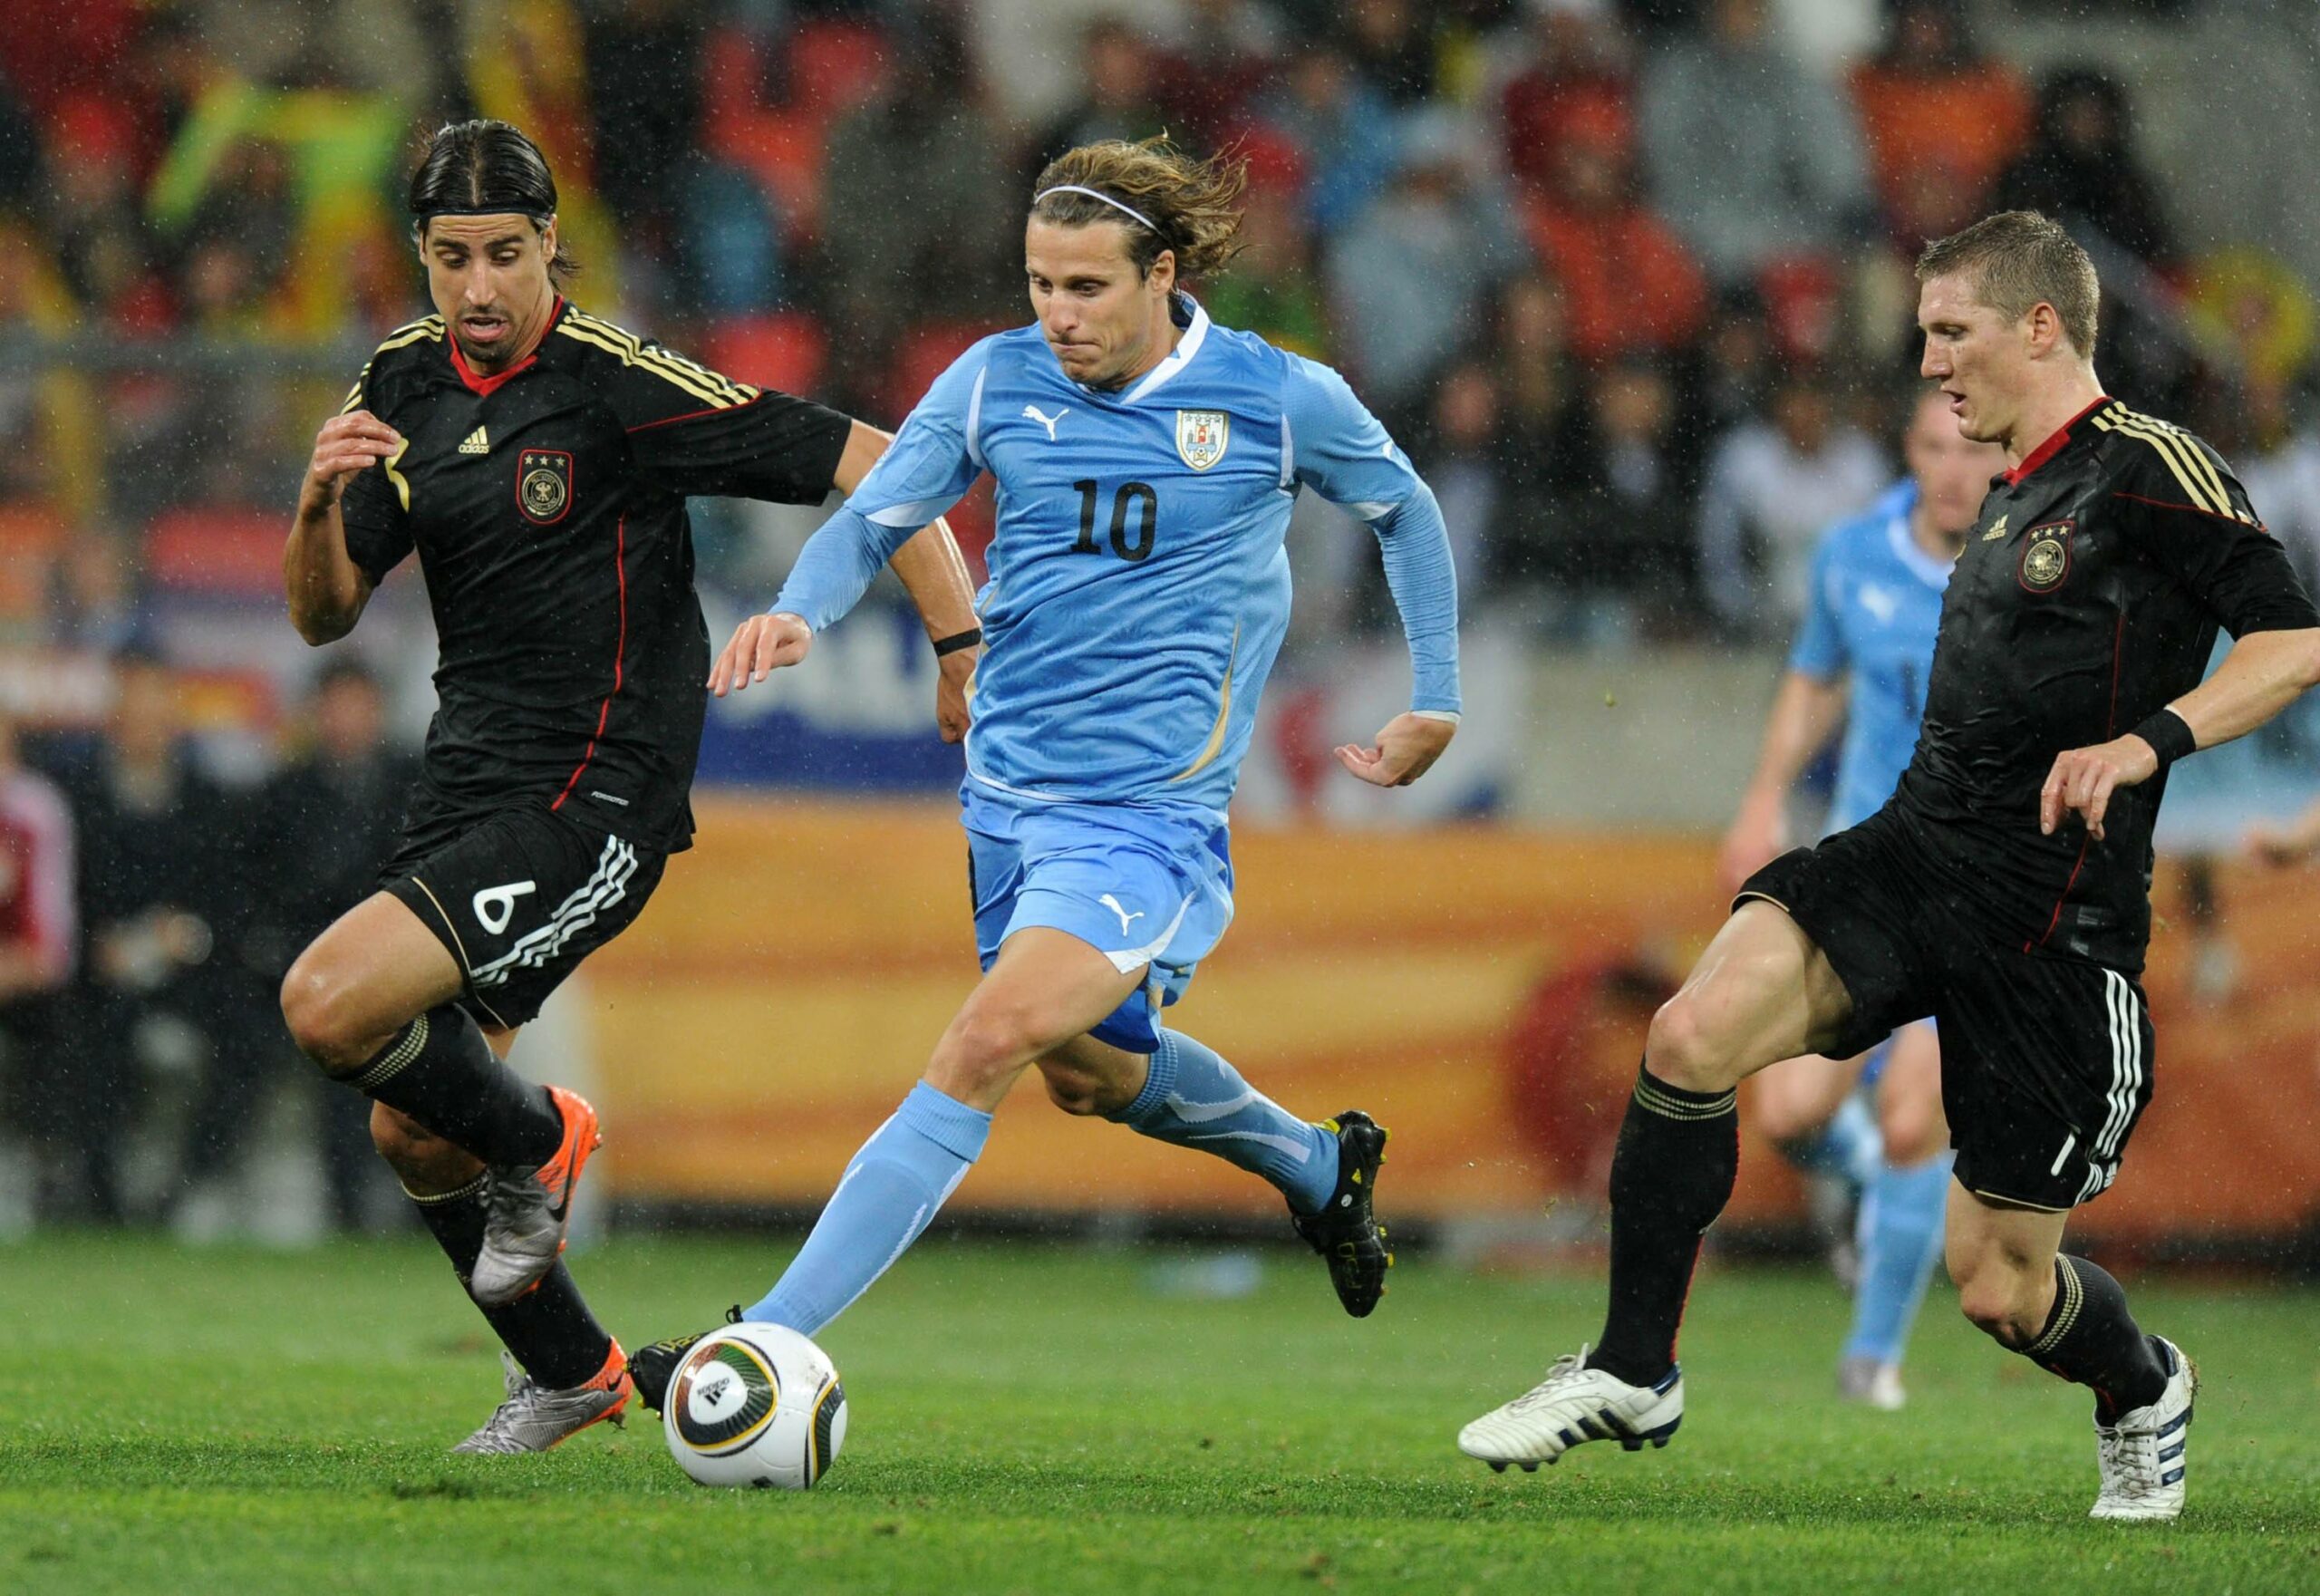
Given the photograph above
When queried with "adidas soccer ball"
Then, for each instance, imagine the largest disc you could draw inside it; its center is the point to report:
(755, 1405)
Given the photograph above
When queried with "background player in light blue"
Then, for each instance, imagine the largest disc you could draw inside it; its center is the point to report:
(1145, 462)
(1861, 660)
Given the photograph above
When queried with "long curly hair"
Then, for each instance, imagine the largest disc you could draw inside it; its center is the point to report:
(1191, 203)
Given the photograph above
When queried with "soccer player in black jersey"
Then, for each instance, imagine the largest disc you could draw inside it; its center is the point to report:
(2003, 890)
(536, 459)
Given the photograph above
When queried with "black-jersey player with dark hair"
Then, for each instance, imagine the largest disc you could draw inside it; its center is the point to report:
(536, 459)
(2003, 890)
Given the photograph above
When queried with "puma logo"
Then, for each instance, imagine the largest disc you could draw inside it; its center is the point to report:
(495, 906)
(1113, 904)
(1044, 419)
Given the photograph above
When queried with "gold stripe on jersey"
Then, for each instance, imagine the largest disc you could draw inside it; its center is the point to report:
(2199, 460)
(653, 355)
(703, 391)
(425, 327)
(411, 332)
(695, 379)
(2128, 424)
(1215, 743)
(673, 365)
(707, 396)
(2205, 485)
(2193, 472)
(402, 482)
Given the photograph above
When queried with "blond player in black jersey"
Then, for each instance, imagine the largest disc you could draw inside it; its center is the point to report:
(2003, 890)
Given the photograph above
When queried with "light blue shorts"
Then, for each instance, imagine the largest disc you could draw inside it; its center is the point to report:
(1146, 886)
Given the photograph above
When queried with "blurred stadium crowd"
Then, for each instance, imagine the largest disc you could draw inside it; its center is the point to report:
(1630, 278)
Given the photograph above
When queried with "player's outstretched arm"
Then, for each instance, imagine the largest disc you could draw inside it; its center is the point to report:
(1343, 454)
(326, 587)
(833, 571)
(1804, 715)
(1416, 546)
(2260, 676)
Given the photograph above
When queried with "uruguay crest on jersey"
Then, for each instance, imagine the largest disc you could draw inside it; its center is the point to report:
(1202, 435)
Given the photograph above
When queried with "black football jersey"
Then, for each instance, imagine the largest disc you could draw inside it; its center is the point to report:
(547, 505)
(2087, 598)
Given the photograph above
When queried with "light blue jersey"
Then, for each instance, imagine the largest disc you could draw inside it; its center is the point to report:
(1138, 587)
(1871, 616)
(1874, 607)
(1138, 593)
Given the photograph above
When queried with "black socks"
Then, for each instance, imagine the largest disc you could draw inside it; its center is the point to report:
(549, 1328)
(441, 1071)
(2092, 1339)
(1679, 1155)
(1669, 1182)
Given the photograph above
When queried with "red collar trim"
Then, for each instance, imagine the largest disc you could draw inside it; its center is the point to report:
(484, 387)
(2051, 447)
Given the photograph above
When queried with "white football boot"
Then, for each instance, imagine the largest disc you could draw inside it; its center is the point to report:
(1575, 1404)
(2142, 1455)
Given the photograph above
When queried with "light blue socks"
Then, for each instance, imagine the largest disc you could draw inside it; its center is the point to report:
(1899, 1237)
(887, 1195)
(1194, 1098)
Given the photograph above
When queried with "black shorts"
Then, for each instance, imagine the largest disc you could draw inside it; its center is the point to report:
(519, 896)
(2045, 1058)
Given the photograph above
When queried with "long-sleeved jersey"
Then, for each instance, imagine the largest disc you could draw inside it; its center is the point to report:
(1138, 587)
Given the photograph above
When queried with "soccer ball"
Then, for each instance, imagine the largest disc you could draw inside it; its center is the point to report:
(755, 1405)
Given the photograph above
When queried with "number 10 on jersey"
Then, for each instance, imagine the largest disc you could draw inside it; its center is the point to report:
(1146, 511)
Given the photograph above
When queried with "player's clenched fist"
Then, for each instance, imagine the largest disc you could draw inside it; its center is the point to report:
(1405, 751)
(2084, 778)
(761, 645)
(353, 442)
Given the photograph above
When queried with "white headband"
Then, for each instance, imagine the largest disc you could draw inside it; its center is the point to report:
(1098, 194)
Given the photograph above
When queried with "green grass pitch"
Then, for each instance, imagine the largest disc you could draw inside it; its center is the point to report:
(1037, 1419)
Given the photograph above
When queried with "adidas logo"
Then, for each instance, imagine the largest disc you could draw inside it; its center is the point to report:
(1996, 531)
(475, 442)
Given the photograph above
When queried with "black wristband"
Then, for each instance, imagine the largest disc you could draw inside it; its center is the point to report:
(2170, 737)
(957, 641)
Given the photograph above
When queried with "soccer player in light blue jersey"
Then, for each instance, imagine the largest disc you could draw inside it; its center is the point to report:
(1861, 659)
(1146, 461)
